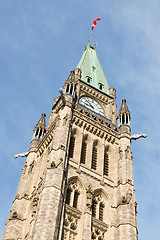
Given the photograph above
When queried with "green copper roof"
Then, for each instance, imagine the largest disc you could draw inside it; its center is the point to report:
(91, 70)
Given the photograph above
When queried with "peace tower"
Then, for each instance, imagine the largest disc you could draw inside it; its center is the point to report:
(77, 181)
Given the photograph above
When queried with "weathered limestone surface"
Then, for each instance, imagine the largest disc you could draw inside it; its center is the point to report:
(71, 192)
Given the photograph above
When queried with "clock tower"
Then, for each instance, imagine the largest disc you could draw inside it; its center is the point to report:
(77, 181)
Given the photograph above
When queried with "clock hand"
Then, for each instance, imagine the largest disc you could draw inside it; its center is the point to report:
(88, 103)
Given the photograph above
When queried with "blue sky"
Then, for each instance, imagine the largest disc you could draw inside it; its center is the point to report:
(41, 41)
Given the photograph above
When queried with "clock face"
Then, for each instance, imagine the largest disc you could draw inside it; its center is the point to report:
(91, 104)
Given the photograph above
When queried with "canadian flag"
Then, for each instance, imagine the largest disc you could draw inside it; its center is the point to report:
(95, 23)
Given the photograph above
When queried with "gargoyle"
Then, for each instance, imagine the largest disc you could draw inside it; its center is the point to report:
(21, 155)
(137, 136)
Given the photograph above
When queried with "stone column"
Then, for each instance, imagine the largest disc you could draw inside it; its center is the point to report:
(18, 216)
(89, 152)
(126, 223)
(78, 147)
(49, 219)
(88, 215)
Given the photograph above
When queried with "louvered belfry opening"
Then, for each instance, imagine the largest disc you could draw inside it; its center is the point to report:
(83, 152)
(75, 200)
(71, 89)
(106, 162)
(94, 205)
(101, 207)
(71, 147)
(94, 156)
(68, 196)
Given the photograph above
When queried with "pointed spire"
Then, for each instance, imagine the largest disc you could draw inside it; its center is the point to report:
(40, 128)
(91, 70)
(124, 115)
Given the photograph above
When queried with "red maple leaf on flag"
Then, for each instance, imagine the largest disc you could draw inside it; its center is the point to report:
(95, 23)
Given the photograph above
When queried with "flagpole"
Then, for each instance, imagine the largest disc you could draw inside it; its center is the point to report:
(93, 25)
(91, 37)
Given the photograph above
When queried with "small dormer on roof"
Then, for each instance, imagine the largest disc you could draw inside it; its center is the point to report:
(124, 115)
(40, 128)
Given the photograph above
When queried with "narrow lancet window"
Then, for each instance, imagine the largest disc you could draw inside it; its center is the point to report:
(94, 158)
(126, 118)
(83, 152)
(75, 200)
(67, 89)
(71, 89)
(101, 207)
(123, 119)
(71, 147)
(106, 164)
(68, 196)
(94, 205)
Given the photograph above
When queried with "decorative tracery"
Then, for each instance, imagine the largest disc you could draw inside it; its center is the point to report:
(98, 207)
(70, 227)
(72, 195)
(99, 227)
(72, 213)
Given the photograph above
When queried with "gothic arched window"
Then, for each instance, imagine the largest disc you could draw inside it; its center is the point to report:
(72, 195)
(73, 212)
(98, 207)
(98, 215)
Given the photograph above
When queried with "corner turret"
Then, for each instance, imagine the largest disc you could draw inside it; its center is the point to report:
(40, 128)
(38, 132)
(124, 117)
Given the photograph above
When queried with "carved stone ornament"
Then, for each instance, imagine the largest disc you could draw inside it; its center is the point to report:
(126, 199)
(70, 222)
(98, 229)
(31, 167)
(73, 211)
(24, 168)
(89, 193)
(136, 208)
(127, 152)
(53, 165)
(34, 206)
(98, 127)
(65, 120)
(14, 215)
